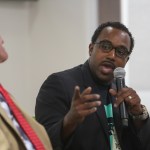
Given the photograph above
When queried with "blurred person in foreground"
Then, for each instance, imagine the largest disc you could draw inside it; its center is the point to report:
(79, 107)
(26, 134)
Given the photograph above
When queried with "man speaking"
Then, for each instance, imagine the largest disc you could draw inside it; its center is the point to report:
(80, 107)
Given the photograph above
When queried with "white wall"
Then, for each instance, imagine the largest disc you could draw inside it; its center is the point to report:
(138, 21)
(45, 36)
(42, 37)
(16, 72)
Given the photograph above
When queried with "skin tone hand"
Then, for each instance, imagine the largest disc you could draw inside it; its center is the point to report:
(82, 105)
(133, 103)
(132, 100)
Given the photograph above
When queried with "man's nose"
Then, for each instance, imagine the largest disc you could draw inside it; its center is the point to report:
(3, 53)
(112, 54)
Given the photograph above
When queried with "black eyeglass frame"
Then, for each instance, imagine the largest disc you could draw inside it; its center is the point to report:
(113, 47)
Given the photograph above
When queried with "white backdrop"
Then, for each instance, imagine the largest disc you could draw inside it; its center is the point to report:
(46, 36)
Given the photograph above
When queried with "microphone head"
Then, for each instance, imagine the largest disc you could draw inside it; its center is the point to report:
(119, 72)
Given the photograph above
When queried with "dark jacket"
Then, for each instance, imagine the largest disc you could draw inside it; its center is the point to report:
(54, 100)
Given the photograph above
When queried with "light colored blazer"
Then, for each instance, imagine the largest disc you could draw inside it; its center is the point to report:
(10, 138)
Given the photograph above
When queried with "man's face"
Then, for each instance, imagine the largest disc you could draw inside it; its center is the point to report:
(3, 53)
(102, 63)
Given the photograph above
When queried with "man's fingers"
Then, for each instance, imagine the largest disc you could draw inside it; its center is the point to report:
(89, 105)
(88, 111)
(87, 91)
(85, 95)
(76, 94)
(112, 92)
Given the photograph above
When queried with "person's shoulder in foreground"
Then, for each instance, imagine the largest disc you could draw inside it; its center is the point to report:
(80, 107)
(12, 134)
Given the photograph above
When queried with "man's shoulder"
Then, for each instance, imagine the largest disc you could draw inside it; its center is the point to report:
(69, 77)
(72, 72)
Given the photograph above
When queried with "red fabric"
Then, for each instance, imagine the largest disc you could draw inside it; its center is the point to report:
(38, 145)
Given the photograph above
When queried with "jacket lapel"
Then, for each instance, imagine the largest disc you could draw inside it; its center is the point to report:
(8, 121)
(10, 125)
(101, 115)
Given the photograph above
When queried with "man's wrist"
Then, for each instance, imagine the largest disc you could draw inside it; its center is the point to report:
(143, 116)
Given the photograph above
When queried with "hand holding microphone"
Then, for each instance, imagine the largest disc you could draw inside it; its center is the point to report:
(119, 74)
(126, 98)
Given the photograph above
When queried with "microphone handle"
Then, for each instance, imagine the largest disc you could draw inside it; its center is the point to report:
(120, 83)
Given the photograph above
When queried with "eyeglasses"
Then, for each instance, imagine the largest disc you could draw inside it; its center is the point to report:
(106, 46)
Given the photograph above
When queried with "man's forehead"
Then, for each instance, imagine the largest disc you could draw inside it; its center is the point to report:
(112, 33)
(109, 30)
(116, 36)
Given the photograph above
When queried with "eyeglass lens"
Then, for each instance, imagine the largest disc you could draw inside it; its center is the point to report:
(107, 46)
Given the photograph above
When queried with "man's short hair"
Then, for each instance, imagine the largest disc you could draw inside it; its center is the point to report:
(116, 25)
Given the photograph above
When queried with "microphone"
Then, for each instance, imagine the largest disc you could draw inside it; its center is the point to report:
(119, 74)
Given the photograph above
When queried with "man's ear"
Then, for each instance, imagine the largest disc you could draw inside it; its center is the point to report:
(90, 49)
(3, 53)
